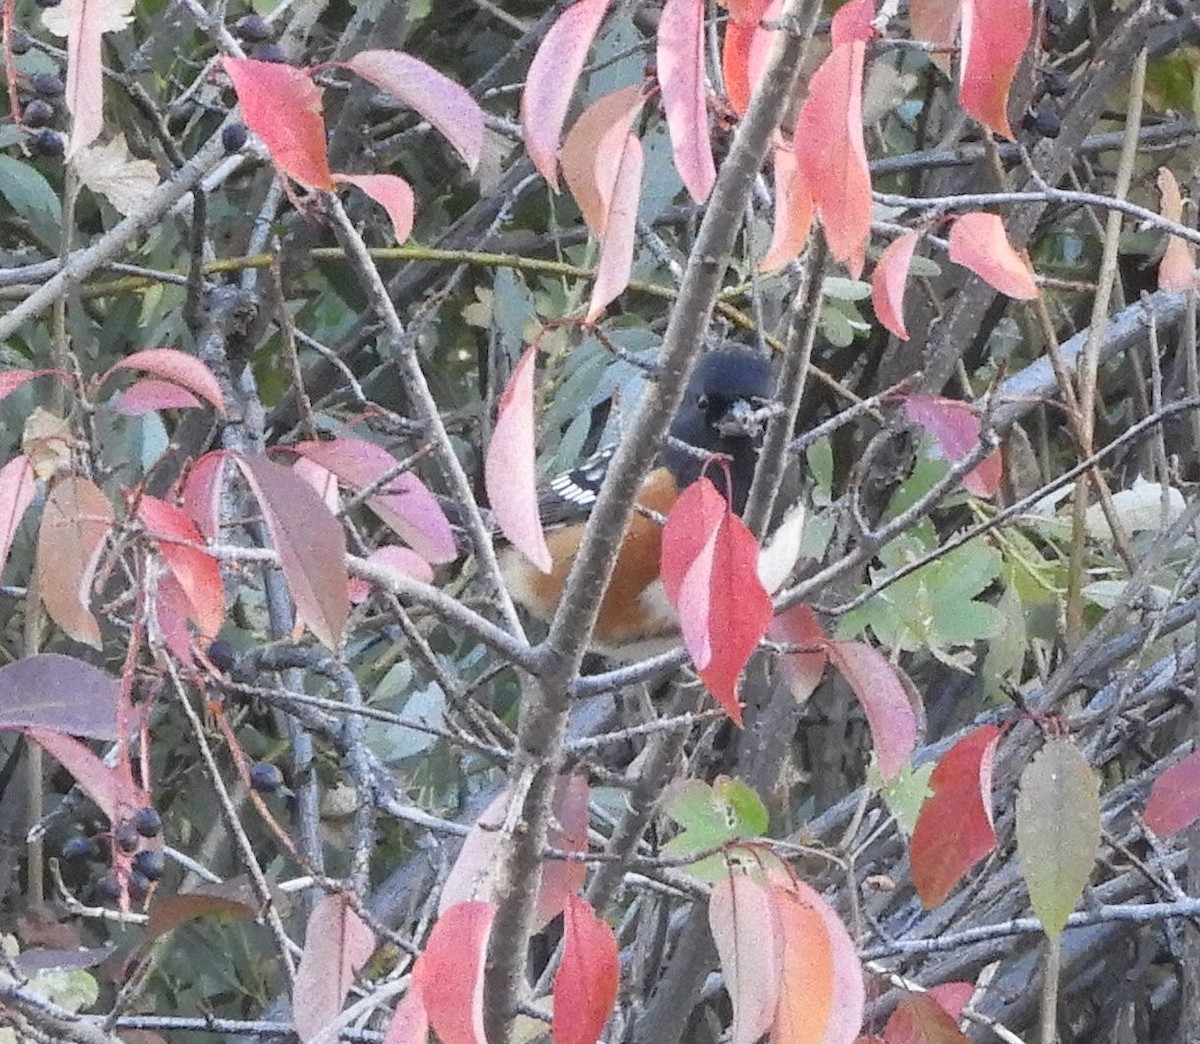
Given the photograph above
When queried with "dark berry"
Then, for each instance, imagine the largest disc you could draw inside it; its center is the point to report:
(1047, 122)
(47, 84)
(1057, 11)
(37, 113)
(1055, 82)
(20, 42)
(149, 864)
(265, 777)
(233, 137)
(48, 3)
(108, 888)
(147, 822)
(78, 848)
(138, 885)
(46, 143)
(268, 52)
(252, 28)
(126, 837)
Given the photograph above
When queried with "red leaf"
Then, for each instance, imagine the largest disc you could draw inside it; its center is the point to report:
(954, 830)
(883, 698)
(849, 992)
(198, 573)
(746, 929)
(889, 280)
(585, 987)
(956, 428)
(551, 80)
(681, 77)
(952, 997)
(337, 943)
(802, 670)
(593, 151)
(283, 107)
(615, 263)
(148, 395)
(392, 193)
(450, 972)
(807, 980)
(852, 23)
(793, 212)
(172, 610)
(1177, 269)
(323, 481)
(510, 471)
(60, 693)
(744, 56)
(837, 172)
(994, 36)
(978, 242)
(399, 560)
(410, 1020)
(178, 368)
(404, 502)
(17, 490)
(935, 22)
(107, 785)
(310, 544)
(202, 492)
(919, 1019)
(76, 522)
(1175, 797)
(747, 10)
(444, 103)
(84, 95)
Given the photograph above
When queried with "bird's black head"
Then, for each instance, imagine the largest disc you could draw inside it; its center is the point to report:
(721, 413)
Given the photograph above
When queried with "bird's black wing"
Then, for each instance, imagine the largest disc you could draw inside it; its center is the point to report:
(569, 497)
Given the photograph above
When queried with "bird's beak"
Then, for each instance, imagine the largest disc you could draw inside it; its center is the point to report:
(745, 418)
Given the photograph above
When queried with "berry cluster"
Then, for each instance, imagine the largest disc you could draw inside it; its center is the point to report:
(139, 864)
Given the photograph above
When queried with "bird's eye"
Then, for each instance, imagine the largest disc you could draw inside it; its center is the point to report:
(702, 401)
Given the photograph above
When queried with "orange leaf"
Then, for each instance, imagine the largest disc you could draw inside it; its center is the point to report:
(450, 972)
(747, 10)
(198, 573)
(1174, 801)
(585, 986)
(337, 943)
(1177, 269)
(746, 929)
(685, 101)
(615, 263)
(76, 522)
(593, 151)
(392, 193)
(878, 689)
(551, 80)
(978, 242)
(889, 280)
(283, 107)
(954, 830)
(994, 36)
(807, 977)
(793, 212)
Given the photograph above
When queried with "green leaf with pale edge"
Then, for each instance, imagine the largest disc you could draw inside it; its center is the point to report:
(710, 817)
(1058, 830)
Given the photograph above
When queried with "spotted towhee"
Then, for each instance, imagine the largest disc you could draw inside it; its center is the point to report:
(723, 412)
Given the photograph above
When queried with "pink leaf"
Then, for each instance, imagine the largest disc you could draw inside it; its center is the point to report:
(1177, 269)
(178, 368)
(889, 280)
(172, 610)
(404, 503)
(450, 972)
(954, 830)
(802, 670)
(1174, 801)
(392, 193)
(551, 80)
(593, 152)
(410, 1020)
(76, 522)
(310, 544)
(978, 242)
(585, 986)
(11, 380)
(399, 560)
(59, 693)
(615, 263)
(852, 23)
(283, 107)
(884, 699)
(85, 75)
(793, 212)
(837, 172)
(198, 573)
(995, 34)
(148, 395)
(444, 103)
(337, 943)
(510, 471)
(108, 786)
(17, 490)
(956, 428)
(746, 929)
(202, 493)
(323, 481)
(681, 77)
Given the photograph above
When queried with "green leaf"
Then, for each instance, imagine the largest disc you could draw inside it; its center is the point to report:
(711, 817)
(1058, 830)
(31, 196)
(906, 792)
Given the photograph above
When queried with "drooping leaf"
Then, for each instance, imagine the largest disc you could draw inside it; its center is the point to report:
(178, 368)
(310, 544)
(681, 76)
(793, 212)
(889, 280)
(283, 107)
(995, 34)
(585, 986)
(593, 151)
(551, 80)
(1058, 830)
(410, 1020)
(744, 56)
(444, 103)
(109, 786)
(510, 470)
(849, 999)
(615, 264)
(111, 171)
(1174, 801)
(85, 76)
(956, 428)
(807, 975)
(17, 490)
(781, 550)
(198, 573)
(955, 830)
(801, 670)
(227, 899)
(450, 972)
(149, 394)
(76, 522)
(978, 242)
(202, 492)
(746, 929)
(919, 1019)
(59, 693)
(392, 193)
(337, 943)
(881, 695)
(1177, 269)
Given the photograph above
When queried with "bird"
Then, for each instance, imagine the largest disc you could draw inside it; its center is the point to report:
(724, 411)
